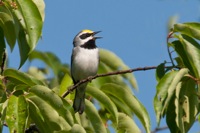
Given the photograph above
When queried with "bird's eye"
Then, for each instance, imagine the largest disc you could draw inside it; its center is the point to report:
(83, 36)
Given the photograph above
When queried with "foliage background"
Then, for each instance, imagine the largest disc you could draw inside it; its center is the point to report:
(136, 31)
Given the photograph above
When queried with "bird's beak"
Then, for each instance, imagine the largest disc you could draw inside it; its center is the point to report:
(96, 37)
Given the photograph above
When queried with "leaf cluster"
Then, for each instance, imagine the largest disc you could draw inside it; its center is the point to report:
(21, 21)
(178, 92)
(35, 97)
(30, 98)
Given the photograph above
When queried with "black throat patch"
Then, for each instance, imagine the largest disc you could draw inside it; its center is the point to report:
(89, 45)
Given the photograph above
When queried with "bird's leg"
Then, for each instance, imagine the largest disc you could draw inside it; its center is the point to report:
(90, 78)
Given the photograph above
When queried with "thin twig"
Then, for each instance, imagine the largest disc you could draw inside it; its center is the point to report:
(170, 56)
(159, 129)
(109, 74)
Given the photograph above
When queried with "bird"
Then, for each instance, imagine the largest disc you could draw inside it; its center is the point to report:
(84, 63)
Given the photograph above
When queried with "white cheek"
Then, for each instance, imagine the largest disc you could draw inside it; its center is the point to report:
(86, 40)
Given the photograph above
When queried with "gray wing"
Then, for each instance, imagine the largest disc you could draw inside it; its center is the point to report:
(72, 57)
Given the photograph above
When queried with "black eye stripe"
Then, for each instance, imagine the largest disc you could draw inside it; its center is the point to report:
(85, 35)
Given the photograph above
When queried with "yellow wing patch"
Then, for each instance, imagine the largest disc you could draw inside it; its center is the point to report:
(87, 31)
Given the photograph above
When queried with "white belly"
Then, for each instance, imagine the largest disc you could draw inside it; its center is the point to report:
(85, 63)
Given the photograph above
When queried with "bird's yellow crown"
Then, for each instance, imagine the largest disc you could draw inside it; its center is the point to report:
(87, 31)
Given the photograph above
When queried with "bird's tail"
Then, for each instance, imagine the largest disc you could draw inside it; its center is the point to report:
(79, 101)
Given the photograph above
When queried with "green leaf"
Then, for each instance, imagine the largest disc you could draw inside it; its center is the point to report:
(172, 20)
(24, 47)
(65, 83)
(6, 22)
(126, 124)
(133, 103)
(178, 110)
(51, 117)
(37, 73)
(18, 77)
(33, 21)
(161, 93)
(28, 23)
(17, 114)
(183, 58)
(37, 118)
(192, 50)
(54, 101)
(181, 73)
(49, 58)
(160, 71)
(104, 100)
(115, 63)
(188, 104)
(94, 117)
(122, 107)
(119, 79)
(77, 129)
(41, 7)
(170, 116)
(182, 109)
(191, 29)
(3, 107)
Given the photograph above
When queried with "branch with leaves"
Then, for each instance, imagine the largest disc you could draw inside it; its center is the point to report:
(72, 88)
(32, 102)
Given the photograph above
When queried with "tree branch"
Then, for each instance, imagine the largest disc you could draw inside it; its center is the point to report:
(72, 88)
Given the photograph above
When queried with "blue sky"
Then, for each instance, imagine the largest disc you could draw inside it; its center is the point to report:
(134, 30)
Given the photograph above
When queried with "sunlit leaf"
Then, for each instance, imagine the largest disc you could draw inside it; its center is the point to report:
(126, 124)
(191, 29)
(41, 7)
(131, 101)
(117, 79)
(65, 83)
(178, 110)
(37, 117)
(53, 101)
(161, 93)
(77, 129)
(104, 100)
(117, 64)
(173, 86)
(51, 117)
(192, 50)
(172, 20)
(16, 114)
(3, 107)
(183, 107)
(37, 73)
(84, 122)
(18, 77)
(33, 21)
(188, 102)
(49, 58)
(94, 117)
(122, 107)
(28, 23)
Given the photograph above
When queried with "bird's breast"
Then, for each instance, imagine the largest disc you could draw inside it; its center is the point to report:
(85, 63)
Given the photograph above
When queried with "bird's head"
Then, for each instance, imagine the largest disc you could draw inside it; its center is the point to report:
(85, 36)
